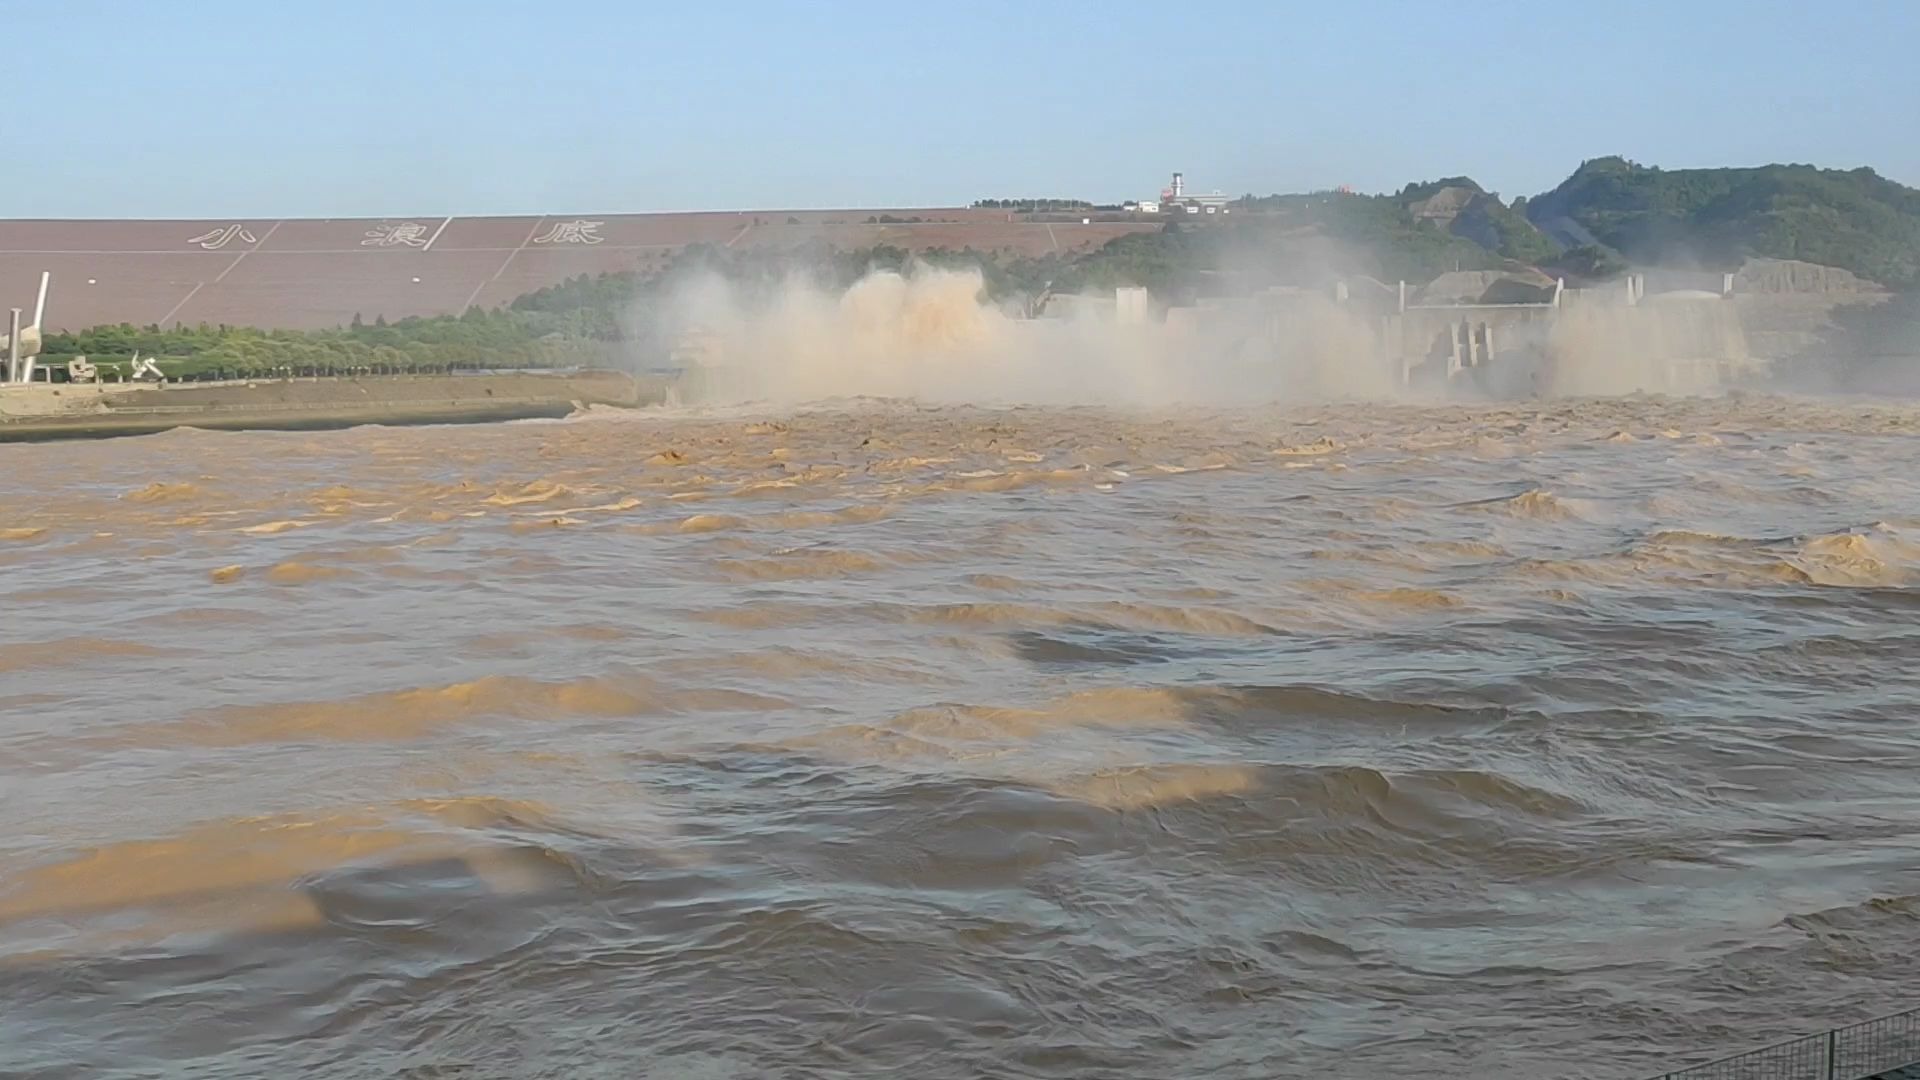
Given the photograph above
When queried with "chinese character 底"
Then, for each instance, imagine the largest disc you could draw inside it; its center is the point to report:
(572, 232)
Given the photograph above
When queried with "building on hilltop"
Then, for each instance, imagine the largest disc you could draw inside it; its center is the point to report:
(1176, 199)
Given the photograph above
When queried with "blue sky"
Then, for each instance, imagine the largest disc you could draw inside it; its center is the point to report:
(353, 108)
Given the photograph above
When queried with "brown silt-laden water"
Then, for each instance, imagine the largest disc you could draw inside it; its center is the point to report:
(877, 739)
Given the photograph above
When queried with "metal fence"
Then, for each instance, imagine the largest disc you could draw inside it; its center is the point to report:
(1855, 1052)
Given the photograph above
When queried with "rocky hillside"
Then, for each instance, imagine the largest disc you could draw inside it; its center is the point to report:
(1465, 209)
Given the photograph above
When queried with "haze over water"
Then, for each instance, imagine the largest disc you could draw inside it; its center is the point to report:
(871, 738)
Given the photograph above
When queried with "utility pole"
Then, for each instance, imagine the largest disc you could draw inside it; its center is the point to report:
(13, 346)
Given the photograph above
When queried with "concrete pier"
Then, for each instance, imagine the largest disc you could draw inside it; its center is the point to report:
(1616, 339)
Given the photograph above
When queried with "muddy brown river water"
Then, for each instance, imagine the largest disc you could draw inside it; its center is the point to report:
(876, 739)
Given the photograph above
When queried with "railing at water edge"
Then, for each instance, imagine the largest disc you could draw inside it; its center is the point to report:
(1860, 1051)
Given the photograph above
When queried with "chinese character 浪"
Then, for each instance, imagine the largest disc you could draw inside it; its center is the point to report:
(407, 234)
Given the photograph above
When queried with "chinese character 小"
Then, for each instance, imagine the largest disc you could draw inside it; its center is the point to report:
(215, 239)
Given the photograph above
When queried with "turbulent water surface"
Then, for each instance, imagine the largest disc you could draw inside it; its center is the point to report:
(1553, 740)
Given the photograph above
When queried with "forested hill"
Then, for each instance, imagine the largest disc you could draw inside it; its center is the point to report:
(1612, 212)
(1423, 230)
(1854, 219)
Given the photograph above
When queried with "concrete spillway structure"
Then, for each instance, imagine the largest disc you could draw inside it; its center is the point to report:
(1508, 339)
(1669, 343)
(1573, 342)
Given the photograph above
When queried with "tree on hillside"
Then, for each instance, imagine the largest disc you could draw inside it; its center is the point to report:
(1856, 219)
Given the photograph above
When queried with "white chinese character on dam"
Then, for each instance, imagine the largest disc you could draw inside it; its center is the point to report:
(406, 234)
(215, 239)
(572, 232)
